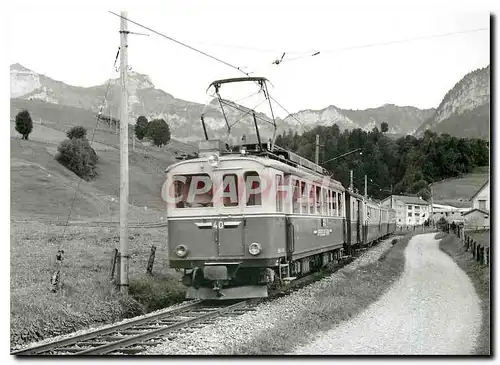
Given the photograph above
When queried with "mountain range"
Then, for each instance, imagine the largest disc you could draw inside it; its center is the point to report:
(465, 109)
(468, 99)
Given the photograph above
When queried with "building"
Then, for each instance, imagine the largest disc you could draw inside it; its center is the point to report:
(448, 212)
(476, 218)
(410, 210)
(481, 199)
(479, 213)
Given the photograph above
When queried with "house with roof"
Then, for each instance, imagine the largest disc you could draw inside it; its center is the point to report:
(410, 210)
(479, 213)
(448, 212)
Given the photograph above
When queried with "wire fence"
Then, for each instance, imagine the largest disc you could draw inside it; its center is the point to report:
(480, 250)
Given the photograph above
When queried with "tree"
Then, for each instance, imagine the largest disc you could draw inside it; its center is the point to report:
(78, 156)
(24, 124)
(77, 132)
(141, 127)
(384, 127)
(159, 132)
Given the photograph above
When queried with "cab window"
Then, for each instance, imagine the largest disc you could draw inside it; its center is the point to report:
(253, 188)
(230, 190)
(193, 191)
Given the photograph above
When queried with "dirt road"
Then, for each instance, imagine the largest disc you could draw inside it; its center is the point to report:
(432, 309)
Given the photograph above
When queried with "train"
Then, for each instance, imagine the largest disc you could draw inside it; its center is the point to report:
(242, 219)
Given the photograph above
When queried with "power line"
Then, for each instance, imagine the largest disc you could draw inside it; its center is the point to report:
(405, 40)
(179, 42)
(207, 55)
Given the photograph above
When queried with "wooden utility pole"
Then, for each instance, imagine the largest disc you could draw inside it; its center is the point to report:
(351, 185)
(317, 149)
(123, 156)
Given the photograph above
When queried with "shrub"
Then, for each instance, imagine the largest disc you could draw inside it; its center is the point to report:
(24, 124)
(141, 127)
(78, 156)
(159, 132)
(77, 132)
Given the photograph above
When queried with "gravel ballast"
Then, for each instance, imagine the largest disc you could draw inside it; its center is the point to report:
(432, 309)
(226, 333)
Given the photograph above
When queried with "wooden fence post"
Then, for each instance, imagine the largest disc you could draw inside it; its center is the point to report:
(118, 265)
(114, 256)
(56, 279)
(151, 260)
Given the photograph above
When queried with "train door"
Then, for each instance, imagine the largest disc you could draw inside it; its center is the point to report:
(229, 237)
(358, 220)
(229, 233)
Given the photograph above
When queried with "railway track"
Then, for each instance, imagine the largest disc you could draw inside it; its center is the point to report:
(137, 335)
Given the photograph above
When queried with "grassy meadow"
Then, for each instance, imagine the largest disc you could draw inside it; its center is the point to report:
(41, 192)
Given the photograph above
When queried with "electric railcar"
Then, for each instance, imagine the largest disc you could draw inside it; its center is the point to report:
(241, 220)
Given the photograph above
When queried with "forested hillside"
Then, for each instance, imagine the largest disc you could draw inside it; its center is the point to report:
(406, 165)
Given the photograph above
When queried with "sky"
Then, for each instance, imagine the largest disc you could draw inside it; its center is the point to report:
(77, 43)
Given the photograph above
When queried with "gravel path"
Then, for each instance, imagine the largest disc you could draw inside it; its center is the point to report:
(432, 309)
(224, 334)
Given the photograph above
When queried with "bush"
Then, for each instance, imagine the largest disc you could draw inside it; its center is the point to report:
(159, 132)
(77, 132)
(78, 156)
(141, 127)
(24, 124)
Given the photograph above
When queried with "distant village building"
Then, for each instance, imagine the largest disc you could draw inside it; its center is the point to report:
(448, 212)
(479, 213)
(410, 210)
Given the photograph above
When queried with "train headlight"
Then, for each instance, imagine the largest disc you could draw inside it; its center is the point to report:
(213, 160)
(254, 249)
(181, 251)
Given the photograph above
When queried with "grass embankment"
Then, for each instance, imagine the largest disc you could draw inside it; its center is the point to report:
(452, 191)
(353, 293)
(88, 296)
(480, 277)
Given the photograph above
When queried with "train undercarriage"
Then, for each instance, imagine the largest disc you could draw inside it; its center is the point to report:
(231, 280)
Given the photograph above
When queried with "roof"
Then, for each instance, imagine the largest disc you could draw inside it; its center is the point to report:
(480, 189)
(479, 210)
(410, 199)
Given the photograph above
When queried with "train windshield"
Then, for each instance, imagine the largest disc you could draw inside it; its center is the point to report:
(193, 191)
(198, 190)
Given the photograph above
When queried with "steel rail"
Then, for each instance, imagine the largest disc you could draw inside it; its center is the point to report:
(103, 331)
(139, 338)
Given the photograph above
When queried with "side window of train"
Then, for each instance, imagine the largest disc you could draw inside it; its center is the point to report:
(253, 187)
(325, 202)
(279, 194)
(340, 203)
(330, 211)
(230, 192)
(318, 202)
(305, 198)
(334, 203)
(312, 199)
(295, 196)
(193, 191)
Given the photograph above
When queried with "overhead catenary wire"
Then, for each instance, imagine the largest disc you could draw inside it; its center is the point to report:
(377, 44)
(203, 53)
(181, 43)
